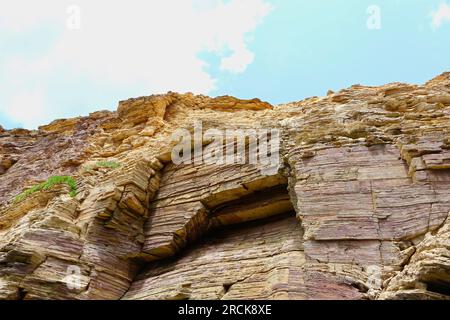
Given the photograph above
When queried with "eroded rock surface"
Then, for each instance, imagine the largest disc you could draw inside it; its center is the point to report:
(357, 208)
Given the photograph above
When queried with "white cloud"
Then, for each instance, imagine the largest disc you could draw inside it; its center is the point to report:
(23, 15)
(440, 16)
(238, 61)
(151, 44)
(29, 107)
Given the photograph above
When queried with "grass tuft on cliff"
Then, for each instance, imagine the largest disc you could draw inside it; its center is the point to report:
(103, 164)
(108, 164)
(47, 185)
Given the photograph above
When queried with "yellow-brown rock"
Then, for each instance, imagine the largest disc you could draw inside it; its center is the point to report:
(358, 208)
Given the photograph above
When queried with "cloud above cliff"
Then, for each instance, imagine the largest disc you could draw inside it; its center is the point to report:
(150, 45)
(440, 16)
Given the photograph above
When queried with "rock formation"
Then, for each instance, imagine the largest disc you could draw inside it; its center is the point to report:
(357, 209)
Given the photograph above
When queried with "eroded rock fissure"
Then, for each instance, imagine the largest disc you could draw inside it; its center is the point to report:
(176, 222)
(223, 204)
(237, 256)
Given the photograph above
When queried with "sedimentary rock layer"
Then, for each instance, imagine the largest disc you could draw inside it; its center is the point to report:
(356, 208)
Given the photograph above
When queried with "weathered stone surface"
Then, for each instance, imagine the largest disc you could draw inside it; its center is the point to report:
(358, 208)
(227, 103)
(427, 274)
(259, 261)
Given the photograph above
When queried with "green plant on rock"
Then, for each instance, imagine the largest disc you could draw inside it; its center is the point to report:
(102, 164)
(108, 164)
(47, 185)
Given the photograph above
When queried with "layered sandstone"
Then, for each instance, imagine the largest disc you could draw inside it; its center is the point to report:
(357, 208)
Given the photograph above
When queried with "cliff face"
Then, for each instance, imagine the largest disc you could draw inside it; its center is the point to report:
(356, 209)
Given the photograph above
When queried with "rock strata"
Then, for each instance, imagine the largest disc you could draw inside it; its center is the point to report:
(357, 208)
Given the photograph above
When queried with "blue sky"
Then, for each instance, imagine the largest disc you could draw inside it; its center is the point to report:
(67, 58)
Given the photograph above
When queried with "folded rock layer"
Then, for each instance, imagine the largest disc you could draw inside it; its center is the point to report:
(356, 207)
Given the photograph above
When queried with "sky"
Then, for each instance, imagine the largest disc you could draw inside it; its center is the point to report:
(61, 58)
